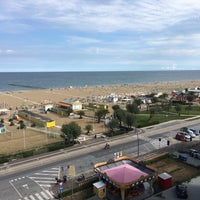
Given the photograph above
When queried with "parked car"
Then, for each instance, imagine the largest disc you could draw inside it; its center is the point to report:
(191, 133)
(187, 130)
(183, 136)
(194, 131)
(181, 191)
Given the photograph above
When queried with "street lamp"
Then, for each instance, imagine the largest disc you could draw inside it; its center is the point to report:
(24, 135)
(138, 144)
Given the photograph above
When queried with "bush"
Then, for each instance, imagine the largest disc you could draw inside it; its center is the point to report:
(4, 159)
(29, 153)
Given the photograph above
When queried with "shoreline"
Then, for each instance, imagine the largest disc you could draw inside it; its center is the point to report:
(40, 96)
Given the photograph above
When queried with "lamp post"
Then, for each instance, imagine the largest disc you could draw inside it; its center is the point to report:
(138, 143)
(24, 135)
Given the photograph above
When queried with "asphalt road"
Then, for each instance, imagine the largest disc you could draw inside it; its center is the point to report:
(32, 180)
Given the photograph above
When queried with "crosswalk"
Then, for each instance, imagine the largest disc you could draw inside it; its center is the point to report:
(45, 178)
(156, 143)
(43, 195)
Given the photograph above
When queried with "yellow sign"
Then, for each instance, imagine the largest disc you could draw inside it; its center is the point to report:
(71, 170)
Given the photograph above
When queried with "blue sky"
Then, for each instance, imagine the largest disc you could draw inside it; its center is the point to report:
(99, 35)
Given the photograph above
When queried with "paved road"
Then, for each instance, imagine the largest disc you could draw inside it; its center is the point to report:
(32, 180)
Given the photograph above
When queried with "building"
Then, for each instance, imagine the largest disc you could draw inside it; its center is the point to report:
(47, 107)
(123, 178)
(74, 105)
(37, 119)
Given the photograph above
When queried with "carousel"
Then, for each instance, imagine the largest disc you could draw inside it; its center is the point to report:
(124, 178)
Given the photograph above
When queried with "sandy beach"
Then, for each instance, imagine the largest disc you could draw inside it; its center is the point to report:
(12, 99)
(13, 140)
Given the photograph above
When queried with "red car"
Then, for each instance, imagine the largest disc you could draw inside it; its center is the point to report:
(183, 136)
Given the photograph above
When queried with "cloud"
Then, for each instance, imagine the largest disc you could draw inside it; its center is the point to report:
(103, 16)
(82, 40)
(7, 52)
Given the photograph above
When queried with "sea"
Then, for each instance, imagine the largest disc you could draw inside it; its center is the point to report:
(13, 81)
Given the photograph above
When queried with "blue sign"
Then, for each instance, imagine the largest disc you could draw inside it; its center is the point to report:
(61, 188)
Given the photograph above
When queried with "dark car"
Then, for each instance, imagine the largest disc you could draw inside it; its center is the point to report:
(181, 191)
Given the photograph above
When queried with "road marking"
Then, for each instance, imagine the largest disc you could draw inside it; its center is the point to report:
(15, 189)
(38, 196)
(49, 171)
(26, 198)
(25, 186)
(46, 174)
(55, 168)
(49, 193)
(32, 197)
(41, 181)
(45, 185)
(47, 178)
(44, 195)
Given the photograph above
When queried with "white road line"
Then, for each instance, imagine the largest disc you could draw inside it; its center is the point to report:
(46, 174)
(45, 185)
(38, 196)
(26, 198)
(49, 193)
(37, 177)
(56, 168)
(38, 181)
(32, 197)
(15, 189)
(44, 195)
(54, 171)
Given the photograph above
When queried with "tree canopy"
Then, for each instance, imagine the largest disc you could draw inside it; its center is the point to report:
(70, 131)
(132, 108)
(101, 112)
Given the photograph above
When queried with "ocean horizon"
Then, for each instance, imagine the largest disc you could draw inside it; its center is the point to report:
(13, 81)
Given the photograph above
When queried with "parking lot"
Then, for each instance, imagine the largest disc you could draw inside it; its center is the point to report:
(170, 194)
(193, 185)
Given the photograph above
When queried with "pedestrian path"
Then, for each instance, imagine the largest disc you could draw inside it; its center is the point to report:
(45, 178)
(43, 195)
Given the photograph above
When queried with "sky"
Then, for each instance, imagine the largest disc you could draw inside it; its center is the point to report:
(99, 35)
